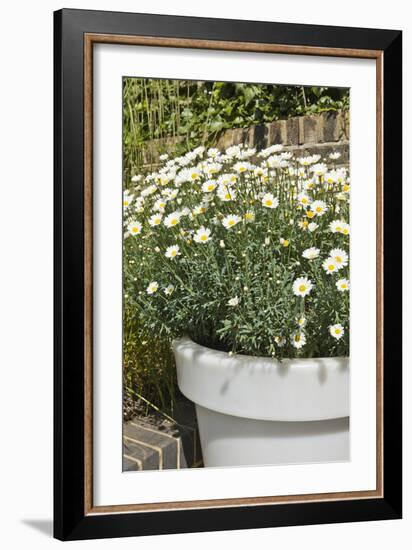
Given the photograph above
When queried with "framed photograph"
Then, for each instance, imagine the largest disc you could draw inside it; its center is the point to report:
(227, 274)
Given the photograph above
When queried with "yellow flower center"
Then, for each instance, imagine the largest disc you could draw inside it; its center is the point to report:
(331, 267)
(285, 243)
(231, 223)
(318, 209)
(194, 176)
(338, 259)
(345, 231)
(227, 196)
(173, 221)
(302, 288)
(126, 203)
(297, 338)
(210, 187)
(268, 202)
(203, 237)
(310, 214)
(135, 230)
(337, 331)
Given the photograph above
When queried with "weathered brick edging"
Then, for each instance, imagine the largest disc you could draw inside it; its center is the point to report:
(321, 133)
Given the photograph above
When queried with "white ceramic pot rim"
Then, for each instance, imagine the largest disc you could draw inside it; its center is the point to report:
(262, 388)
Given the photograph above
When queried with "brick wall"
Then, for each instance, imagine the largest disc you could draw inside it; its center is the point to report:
(321, 133)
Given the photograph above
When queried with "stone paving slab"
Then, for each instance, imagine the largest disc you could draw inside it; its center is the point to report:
(168, 446)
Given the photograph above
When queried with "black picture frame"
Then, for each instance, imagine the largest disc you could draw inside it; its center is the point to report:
(70, 519)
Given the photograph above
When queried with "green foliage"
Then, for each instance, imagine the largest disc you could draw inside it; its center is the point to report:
(149, 368)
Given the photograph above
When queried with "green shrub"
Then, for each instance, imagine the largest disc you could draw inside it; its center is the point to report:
(242, 251)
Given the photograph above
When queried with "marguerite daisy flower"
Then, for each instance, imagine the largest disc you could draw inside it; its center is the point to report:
(242, 167)
(276, 161)
(230, 221)
(311, 253)
(269, 201)
(200, 209)
(139, 205)
(319, 207)
(260, 172)
(337, 226)
(233, 301)
(168, 290)
(225, 194)
(298, 339)
(269, 150)
(127, 199)
(227, 179)
(209, 186)
(337, 331)
(212, 168)
(233, 151)
(302, 286)
(307, 161)
(340, 257)
(134, 227)
(342, 285)
(156, 219)
(301, 321)
(331, 177)
(213, 152)
(330, 266)
(172, 251)
(280, 341)
(345, 229)
(149, 190)
(152, 288)
(172, 219)
(202, 235)
(194, 173)
(303, 199)
(334, 155)
(159, 205)
(249, 216)
(319, 169)
(312, 226)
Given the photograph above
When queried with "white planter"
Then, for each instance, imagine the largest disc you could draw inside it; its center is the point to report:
(253, 410)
